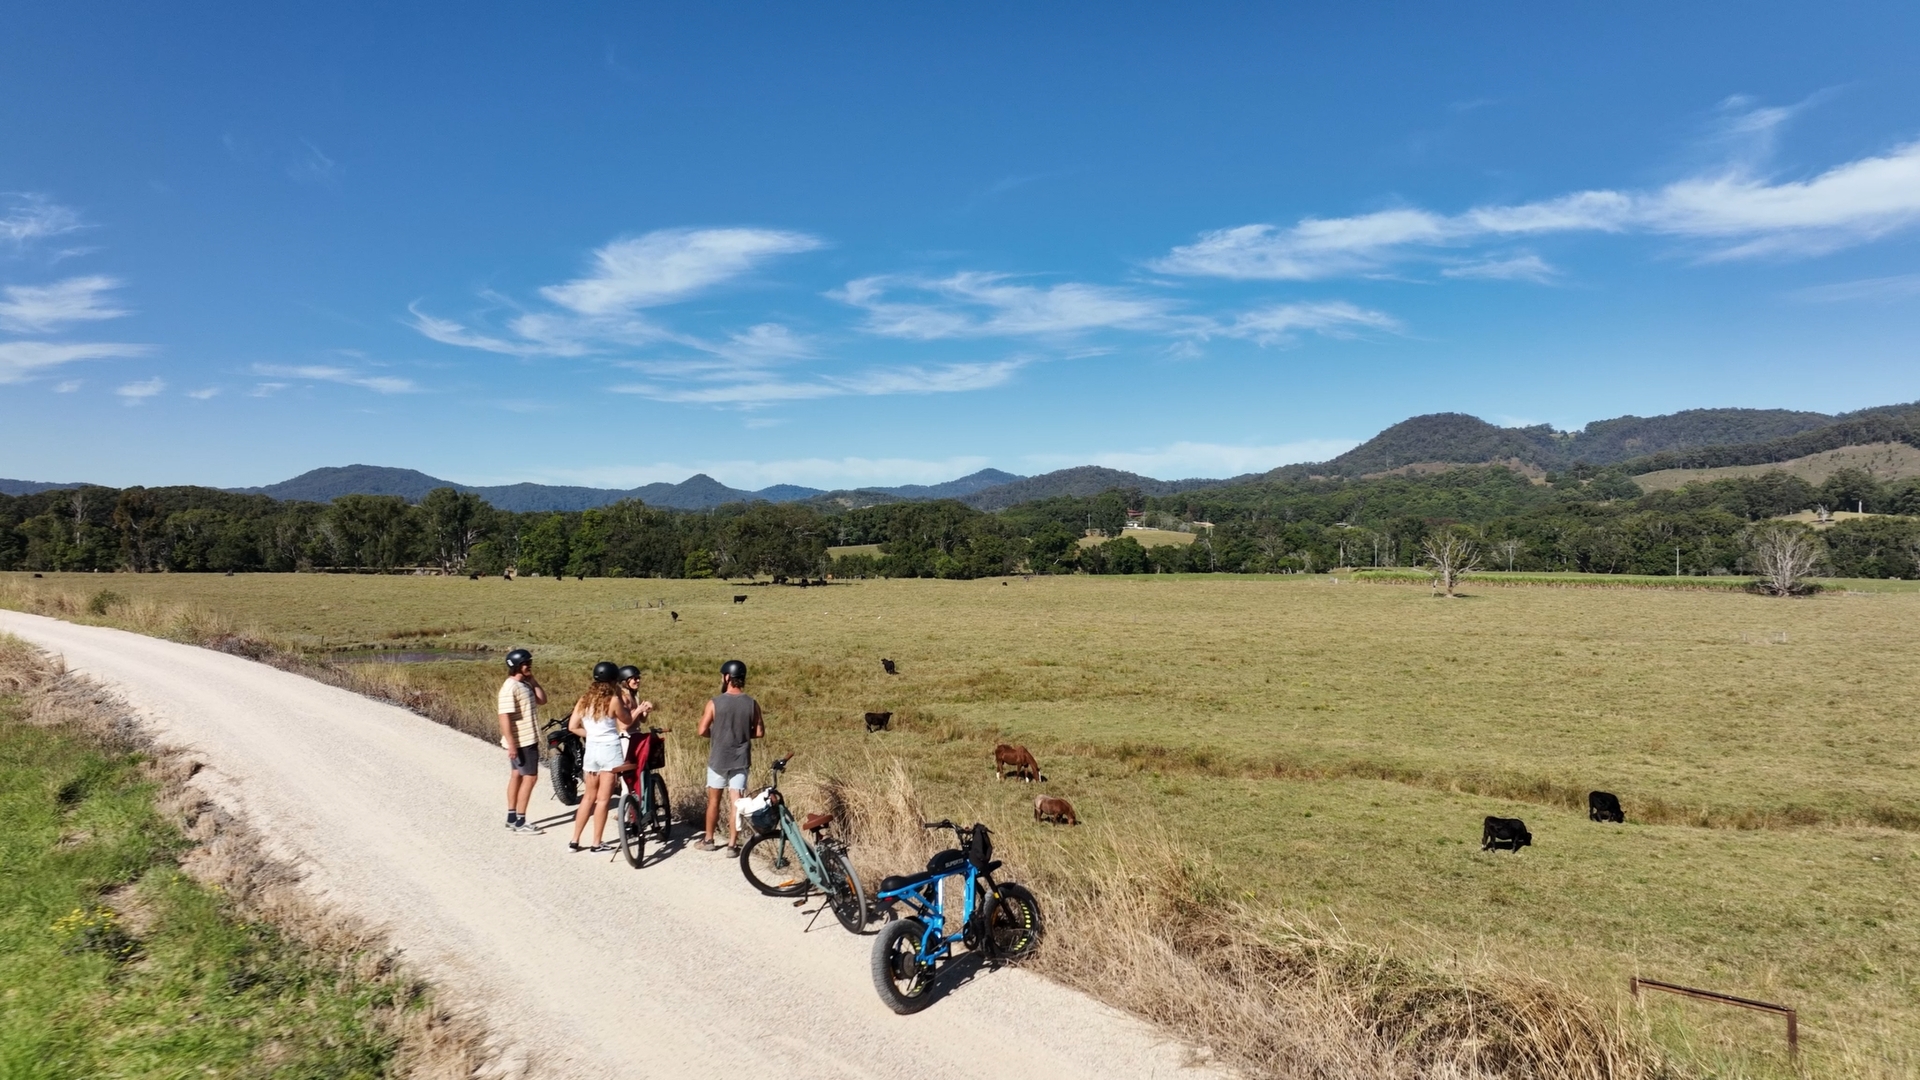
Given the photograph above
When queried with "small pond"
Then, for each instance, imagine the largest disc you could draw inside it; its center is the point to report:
(406, 656)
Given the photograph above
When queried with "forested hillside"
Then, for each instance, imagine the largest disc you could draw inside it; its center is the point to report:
(1582, 519)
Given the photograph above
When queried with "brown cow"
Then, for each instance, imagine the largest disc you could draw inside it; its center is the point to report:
(1015, 759)
(1057, 810)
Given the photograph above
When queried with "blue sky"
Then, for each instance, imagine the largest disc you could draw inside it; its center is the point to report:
(839, 245)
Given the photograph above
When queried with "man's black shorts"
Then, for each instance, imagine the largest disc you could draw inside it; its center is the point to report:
(526, 760)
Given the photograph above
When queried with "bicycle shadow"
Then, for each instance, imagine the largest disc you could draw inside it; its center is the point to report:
(957, 973)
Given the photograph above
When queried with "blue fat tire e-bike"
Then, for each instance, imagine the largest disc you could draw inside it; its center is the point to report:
(1000, 920)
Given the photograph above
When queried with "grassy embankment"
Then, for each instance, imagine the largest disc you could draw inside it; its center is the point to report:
(117, 962)
(1300, 769)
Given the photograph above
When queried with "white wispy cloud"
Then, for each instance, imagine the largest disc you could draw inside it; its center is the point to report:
(1282, 323)
(40, 309)
(978, 304)
(20, 360)
(1505, 268)
(752, 389)
(1735, 210)
(204, 393)
(25, 217)
(135, 393)
(601, 312)
(382, 384)
(669, 265)
(266, 389)
(1896, 287)
(67, 386)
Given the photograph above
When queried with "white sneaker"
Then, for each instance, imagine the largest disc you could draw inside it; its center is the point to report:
(528, 827)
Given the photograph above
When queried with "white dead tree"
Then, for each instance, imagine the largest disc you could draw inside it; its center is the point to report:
(1781, 557)
(1509, 549)
(1451, 555)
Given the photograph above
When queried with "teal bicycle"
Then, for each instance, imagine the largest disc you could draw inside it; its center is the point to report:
(780, 860)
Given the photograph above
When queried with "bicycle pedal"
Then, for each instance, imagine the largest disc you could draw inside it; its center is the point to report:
(802, 902)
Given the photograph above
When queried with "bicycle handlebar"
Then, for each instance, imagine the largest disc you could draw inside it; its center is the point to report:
(941, 824)
(782, 763)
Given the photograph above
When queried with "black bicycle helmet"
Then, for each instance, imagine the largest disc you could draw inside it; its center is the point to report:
(605, 671)
(734, 669)
(516, 658)
(628, 671)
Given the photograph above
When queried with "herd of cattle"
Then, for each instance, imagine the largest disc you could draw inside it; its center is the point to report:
(1510, 833)
(1496, 833)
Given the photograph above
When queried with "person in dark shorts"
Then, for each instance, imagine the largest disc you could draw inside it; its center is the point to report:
(520, 698)
(732, 721)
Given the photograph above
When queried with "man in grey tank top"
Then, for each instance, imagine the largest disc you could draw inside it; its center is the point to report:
(732, 721)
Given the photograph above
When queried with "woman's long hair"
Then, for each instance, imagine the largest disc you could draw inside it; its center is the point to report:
(599, 698)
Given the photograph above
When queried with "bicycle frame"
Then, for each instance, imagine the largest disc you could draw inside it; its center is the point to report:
(936, 944)
(810, 863)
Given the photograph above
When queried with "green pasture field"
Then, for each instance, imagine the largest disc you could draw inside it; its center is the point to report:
(158, 981)
(1328, 749)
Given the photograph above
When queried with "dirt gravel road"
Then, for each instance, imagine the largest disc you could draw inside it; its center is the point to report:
(585, 968)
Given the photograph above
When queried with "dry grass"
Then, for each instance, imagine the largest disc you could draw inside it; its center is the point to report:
(1307, 765)
(435, 1043)
(1888, 461)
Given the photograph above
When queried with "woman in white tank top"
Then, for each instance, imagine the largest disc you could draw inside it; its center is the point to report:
(599, 717)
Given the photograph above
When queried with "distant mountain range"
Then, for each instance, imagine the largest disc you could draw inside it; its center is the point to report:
(697, 492)
(1696, 438)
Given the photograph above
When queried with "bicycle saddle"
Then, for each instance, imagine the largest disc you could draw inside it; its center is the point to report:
(816, 821)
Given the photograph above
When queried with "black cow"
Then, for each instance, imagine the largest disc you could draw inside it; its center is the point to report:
(1504, 833)
(888, 665)
(740, 599)
(1604, 806)
(675, 614)
(877, 721)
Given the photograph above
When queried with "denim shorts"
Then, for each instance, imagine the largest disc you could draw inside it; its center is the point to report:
(735, 779)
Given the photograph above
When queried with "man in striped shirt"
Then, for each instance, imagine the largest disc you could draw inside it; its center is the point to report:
(520, 698)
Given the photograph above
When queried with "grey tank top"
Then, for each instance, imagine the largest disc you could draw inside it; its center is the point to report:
(732, 733)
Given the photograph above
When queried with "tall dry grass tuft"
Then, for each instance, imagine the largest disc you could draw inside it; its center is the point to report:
(435, 1042)
(1144, 925)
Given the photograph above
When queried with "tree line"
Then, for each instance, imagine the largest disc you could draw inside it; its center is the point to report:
(1585, 519)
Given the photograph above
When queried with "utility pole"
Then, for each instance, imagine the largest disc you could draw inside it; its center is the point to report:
(1676, 560)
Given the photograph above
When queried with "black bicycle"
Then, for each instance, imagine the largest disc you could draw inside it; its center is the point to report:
(566, 755)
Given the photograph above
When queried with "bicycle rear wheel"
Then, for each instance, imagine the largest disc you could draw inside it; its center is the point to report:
(844, 896)
(563, 772)
(660, 820)
(633, 833)
(772, 866)
(904, 983)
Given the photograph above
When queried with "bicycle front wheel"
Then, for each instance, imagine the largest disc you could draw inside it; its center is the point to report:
(633, 833)
(773, 866)
(904, 983)
(844, 895)
(1013, 923)
(660, 820)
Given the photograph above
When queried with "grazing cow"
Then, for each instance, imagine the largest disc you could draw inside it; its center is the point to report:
(1508, 833)
(740, 599)
(675, 614)
(1017, 760)
(1059, 811)
(877, 721)
(1604, 806)
(888, 665)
